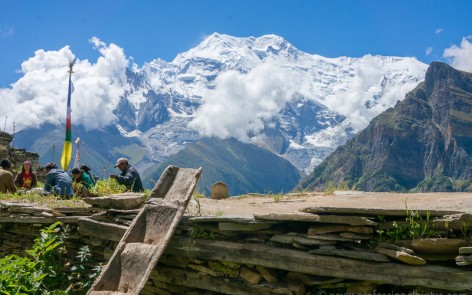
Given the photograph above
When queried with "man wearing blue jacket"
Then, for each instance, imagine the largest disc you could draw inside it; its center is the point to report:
(58, 182)
(129, 176)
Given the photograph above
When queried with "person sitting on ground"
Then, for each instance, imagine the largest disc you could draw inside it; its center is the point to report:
(129, 176)
(26, 179)
(86, 169)
(6, 178)
(58, 182)
(82, 183)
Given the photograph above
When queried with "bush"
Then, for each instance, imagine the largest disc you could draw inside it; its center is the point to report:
(42, 272)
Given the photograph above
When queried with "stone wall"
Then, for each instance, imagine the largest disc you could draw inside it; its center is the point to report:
(16, 156)
(320, 249)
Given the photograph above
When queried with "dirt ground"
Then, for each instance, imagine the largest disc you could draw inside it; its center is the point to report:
(246, 206)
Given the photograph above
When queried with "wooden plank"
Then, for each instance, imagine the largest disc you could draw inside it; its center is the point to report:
(148, 235)
(103, 230)
(364, 255)
(374, 212)
(350, 220)
(243, 226)
(435, 277)
(134, 262)
(325, 229)
(224, 218)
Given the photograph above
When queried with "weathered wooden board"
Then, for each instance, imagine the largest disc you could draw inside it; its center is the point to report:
(104, 230)
(350, 220)
(118, 201)
(374, 212)
(364, 255)
(148, 235)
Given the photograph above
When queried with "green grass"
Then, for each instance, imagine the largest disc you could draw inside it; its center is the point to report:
(102, 188)
(47, 201)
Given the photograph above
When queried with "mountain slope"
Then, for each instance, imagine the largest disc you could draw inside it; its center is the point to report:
(99, 149)
(243, 167)
(424, 143)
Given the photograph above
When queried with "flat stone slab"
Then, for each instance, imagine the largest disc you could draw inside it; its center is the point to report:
(437, 246)
(123, 201)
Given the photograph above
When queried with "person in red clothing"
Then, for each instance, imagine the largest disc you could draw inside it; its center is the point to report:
(26, 179)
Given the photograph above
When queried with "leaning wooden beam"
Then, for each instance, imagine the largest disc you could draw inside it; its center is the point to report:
(303, 262)
(148, 235)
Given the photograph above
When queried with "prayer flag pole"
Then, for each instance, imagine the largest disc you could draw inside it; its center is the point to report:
(67, 150)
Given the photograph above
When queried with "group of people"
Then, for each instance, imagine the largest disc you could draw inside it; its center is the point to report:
(59, 183)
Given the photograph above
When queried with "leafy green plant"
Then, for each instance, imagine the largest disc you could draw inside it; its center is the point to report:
(41, 271)
(416, 225)
(276, 198)
(107, 187)
(83, 274)
(198, 232)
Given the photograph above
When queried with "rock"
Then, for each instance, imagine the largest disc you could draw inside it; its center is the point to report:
(123, 201)
(401, 256)
(250, 275)
(437, 246)
(465, 250)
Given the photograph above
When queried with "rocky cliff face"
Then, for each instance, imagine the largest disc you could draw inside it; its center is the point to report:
(424, 143)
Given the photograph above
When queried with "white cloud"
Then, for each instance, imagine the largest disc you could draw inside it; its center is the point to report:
(460, 57)
(438, 31)
(374, 85)
(40, 95)
(240, 103)
(6, 30)
(428, 51)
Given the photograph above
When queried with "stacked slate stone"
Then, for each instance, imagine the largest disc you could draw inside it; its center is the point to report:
(465, 257)
(319, 249)
(300, 253)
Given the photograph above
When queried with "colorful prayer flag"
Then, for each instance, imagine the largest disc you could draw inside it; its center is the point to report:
(67, 150)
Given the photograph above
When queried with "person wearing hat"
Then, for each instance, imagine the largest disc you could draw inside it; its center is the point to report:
(58, 182)
(26, 179)
(6, 178)
(129, 176)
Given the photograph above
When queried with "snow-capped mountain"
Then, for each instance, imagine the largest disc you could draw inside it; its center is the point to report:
(263, 91)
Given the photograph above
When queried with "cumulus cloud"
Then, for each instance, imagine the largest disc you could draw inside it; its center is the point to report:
(40, 95)
(241, 103)
(460, 57)
(438, 31)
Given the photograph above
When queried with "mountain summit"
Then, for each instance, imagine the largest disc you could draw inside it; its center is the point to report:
(262, 91)
(257, 90)
(424, 143)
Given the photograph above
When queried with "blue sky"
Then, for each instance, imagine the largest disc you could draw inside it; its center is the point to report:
(150, 29)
